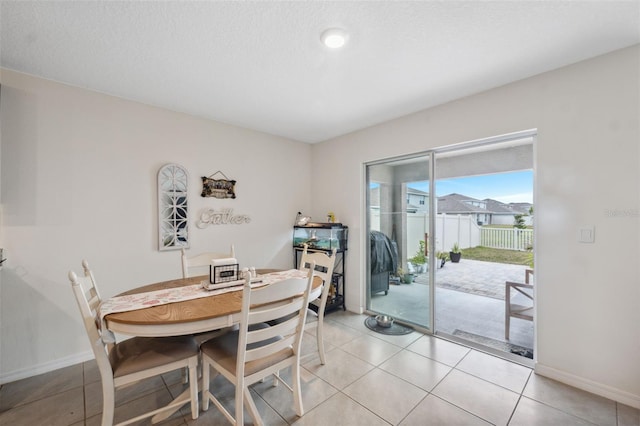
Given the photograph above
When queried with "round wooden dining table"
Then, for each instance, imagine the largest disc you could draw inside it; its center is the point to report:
(185, 317)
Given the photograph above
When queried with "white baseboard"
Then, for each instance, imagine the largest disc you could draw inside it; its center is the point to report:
(596, 388)
(46, 367)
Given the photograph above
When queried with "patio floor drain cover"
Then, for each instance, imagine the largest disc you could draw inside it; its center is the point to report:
(395, 329)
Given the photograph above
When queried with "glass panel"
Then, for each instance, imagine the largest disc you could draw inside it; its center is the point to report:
(485, 207)
(398, 223)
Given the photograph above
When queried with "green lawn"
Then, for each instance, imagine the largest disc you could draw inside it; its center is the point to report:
(498, 255)
(504, 226)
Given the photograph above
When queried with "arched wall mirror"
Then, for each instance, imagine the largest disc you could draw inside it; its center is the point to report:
(173, 224)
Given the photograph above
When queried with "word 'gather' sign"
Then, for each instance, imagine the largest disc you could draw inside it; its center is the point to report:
(221, 217)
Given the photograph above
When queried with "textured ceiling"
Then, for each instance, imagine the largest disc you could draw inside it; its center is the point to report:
(260, 65)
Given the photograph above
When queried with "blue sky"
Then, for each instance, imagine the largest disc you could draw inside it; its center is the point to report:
(505, 187)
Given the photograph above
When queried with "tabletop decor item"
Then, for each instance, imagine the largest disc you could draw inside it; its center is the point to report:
(223, 270)
(218, 188)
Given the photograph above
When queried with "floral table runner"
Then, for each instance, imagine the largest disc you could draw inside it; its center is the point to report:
(132, 302)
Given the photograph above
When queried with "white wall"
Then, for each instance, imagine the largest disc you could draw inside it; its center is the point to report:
(587, 166)
(79, 172)
(78, 181)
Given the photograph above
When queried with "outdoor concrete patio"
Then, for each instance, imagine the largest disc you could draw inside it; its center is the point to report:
(469, 302)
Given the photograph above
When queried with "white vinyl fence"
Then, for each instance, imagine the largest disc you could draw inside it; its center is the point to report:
(460, 229)
(450, 229)
(507, 238)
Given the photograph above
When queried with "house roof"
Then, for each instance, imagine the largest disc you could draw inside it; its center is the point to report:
(458, 204)
(497, 207)
(415, 191)
(455, 203)
(522, 208)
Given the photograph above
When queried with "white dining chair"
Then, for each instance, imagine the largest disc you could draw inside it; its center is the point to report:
(202, 261)
(130, 361)
(324, 264)
(256, 350)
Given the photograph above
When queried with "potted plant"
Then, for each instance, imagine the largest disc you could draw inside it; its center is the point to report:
(419, 259)
(405, 277)
(442, 258)
(455, 253)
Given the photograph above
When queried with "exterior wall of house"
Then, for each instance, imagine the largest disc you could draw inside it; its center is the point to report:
(586, 173)
(79, 173)
(421, 202)
(503, 219)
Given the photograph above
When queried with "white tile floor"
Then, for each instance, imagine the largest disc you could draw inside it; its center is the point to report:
(369, 379)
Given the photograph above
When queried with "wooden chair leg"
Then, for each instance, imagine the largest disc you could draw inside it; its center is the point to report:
(108, 404)
(240, 401)
(251, 405)
(205, 386)
(320, 336)
(193, 385)
(297, 390)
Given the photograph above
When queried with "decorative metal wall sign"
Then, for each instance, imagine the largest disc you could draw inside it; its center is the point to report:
(173, 225)
(221, 217)
(218, 188)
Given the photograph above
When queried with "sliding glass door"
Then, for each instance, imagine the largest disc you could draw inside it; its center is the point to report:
(482, 212)
(398, 221)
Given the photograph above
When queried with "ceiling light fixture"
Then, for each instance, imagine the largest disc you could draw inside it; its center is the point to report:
(334, 38)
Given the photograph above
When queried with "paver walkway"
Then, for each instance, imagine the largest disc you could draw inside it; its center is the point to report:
(476, 277)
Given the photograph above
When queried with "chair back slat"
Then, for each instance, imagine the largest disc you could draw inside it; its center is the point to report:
(202, 261)
(284, 328)
(286, 307)
(324, 263)
(278, 291)
(269, 349)
(273, 302)
(83, 286)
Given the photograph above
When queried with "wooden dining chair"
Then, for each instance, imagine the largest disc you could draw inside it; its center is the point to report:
(131, 360)
(202, 261)
(324, 264)
(256, 350)
(518, 310)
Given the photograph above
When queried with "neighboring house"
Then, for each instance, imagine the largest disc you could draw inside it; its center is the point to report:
(484, 212)
(463, 205)
(504, 214)
(417, 201)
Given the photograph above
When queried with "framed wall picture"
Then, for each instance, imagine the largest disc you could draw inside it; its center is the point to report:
(218, 188)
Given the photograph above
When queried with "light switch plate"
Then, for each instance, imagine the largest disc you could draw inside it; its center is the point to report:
(587, 234)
